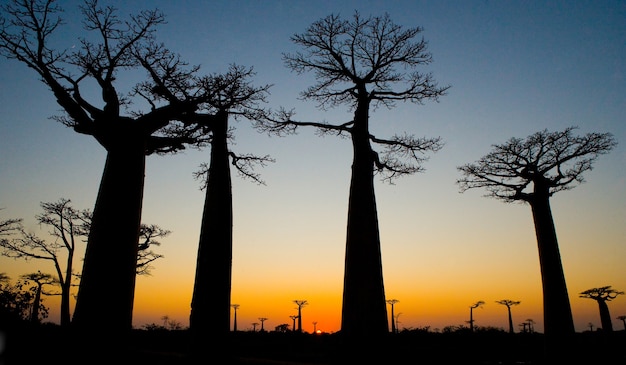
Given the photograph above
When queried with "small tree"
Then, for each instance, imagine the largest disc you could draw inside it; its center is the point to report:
(602, 295)
(623, 319)
(509, 303)
(40, 279)
(392, 302)
(300, 303)
(16, 303)
(472, 307)
(67, 227)
(531, 171)
(364, 63)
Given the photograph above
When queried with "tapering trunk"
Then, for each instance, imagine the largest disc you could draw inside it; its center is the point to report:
(605, 316)
(557, 313)
(107, 287)
(510, 320)
(34, 313)
(364, 310)
(210, 305)
(65, 290)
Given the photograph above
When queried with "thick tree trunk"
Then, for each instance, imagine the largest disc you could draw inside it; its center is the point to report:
(510, 320)
(210, 305)
(364, 311)
(557, 313)
(605, 316)
(107, 287)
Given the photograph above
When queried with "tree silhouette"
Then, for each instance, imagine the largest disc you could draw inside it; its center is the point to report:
(392, 302)
(231, 95)
(509, 303)
(16, 303)
(300, 303)
(293, 318)
(40, 279)
(623, 319)
(262, 319)
(235, 307)
(364, 63)
(471, 320)
(68, 226)
(602, 295)
(531, 171)
(27, 30)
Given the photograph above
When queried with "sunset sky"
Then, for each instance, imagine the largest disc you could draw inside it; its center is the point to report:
(515, 68)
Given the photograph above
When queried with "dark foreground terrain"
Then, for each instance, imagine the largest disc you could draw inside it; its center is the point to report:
(50, 344)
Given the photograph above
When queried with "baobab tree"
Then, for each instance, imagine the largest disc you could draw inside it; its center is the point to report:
(530, 171)
(472, 307)
(232, 94)
(110, 49)
(364, 63)
(235, 307)
(509, 303)
(392, 302)
(40, 279)
(623, 319)
(602, 295)
(293, 318)
(262, 319)
(300, 303)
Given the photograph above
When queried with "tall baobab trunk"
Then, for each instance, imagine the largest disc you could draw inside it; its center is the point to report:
(557, 313)
(508, 307)
(106, 293)
(605, 316)
(364, 310)
(210, 305)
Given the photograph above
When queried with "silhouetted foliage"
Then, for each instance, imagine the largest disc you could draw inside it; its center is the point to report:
(19, 303)
(110, 49)
(531, 170)
(509, 303)
(602, 295)
(363, 63)
(67, 227)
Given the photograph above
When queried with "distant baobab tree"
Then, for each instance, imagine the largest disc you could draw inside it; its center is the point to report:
(110, 49)
(509, 303)
(314, 327)
(623, 319)
(531, 171)
(392, 302)
(254, 324)
(235, 307)
(471, 320)
(363, 63)
(293, 318)
(40, 279)
(602, 295)
(300, 303)
(262, 320)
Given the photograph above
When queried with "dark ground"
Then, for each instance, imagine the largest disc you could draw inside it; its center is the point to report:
(51, 345)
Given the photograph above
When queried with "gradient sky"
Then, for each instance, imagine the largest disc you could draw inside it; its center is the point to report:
(515, 67)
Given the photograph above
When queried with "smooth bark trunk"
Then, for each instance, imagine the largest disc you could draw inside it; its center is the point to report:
(106, 292)
(605, 316)
(557, 313)
(210, 305)
(364, 310)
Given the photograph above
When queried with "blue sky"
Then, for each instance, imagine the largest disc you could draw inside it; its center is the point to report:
(515, 67)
